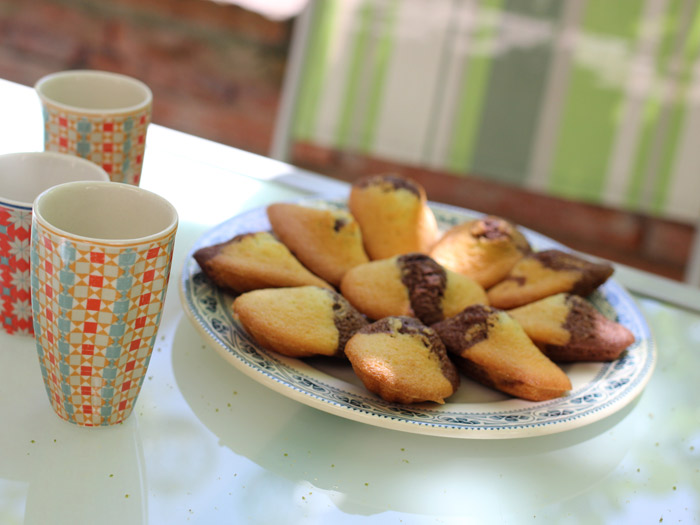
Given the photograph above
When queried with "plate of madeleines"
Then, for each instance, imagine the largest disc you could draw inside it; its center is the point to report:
(394, 311)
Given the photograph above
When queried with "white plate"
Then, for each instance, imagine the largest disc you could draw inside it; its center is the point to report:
(599, 389)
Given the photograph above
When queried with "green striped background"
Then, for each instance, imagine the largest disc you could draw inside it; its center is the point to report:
(586, 99)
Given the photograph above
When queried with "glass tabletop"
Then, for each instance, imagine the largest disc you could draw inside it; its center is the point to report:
(207, 444)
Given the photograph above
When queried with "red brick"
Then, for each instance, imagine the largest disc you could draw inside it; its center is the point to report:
(214, 17)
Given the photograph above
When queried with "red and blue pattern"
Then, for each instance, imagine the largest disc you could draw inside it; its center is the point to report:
(116, 143)
(15, 296)
(97, 309)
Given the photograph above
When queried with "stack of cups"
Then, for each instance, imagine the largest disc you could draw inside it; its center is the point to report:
(99, 259)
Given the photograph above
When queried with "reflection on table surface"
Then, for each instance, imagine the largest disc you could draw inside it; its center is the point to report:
(207, 444)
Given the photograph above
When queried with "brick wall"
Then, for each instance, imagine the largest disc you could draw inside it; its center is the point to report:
(216, 71)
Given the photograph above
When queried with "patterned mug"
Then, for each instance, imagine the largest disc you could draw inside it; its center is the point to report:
(100, 265)
(23, 176)
(99, 116)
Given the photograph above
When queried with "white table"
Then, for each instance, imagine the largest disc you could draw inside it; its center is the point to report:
(207, 444)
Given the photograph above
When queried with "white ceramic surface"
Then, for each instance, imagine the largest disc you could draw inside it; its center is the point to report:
(97, 92)
(105, 211)
(599, 389)
(23, 176)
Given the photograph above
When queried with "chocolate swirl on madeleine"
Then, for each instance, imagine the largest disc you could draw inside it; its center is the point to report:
(347, 320)
(593, 274)
(391, 182)
(425, 281)
(469, 327)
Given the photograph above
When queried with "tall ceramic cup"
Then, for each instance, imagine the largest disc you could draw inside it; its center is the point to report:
(99, 116)
(23, 176)
(100, 264)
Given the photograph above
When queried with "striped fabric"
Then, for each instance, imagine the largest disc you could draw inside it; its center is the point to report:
(587, 99)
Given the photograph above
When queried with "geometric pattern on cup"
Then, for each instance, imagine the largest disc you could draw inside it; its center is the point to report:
(15, 293)
(116, 143)
(96, 315)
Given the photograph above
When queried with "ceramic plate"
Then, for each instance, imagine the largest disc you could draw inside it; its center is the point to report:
(599, 389)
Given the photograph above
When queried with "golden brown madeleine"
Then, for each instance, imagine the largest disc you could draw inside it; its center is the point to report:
(492, 348)
(403, 361)
(393, 215)
(376, 290)
(546, 273)
(298, 322)
(461, 291)
(568, 328)
(410, 285)
(327, 242)
(484, 249)
(251, 261)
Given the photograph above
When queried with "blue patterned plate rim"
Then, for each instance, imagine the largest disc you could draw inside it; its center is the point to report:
(599, 389)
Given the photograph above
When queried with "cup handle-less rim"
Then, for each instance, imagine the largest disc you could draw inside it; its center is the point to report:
(113, 186)
(40, 85)
(50, 155)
